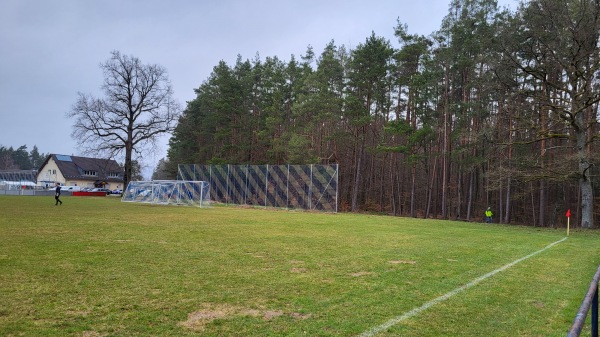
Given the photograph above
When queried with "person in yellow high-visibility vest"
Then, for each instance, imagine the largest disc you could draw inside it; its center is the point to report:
(488, 215)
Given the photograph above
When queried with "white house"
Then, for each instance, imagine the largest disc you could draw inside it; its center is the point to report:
(80, 171)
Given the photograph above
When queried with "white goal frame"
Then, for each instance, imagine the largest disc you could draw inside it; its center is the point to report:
(168, 192)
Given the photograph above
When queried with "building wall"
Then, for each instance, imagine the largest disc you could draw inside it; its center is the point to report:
(50, 174)
(81, 183)
(90, 184)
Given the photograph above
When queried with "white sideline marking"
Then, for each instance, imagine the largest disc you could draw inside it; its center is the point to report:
(413, 312)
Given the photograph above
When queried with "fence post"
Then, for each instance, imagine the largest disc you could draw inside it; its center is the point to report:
(595, 313)
(310, 188)
(337, 188)
(590, 300)
(266, 185)
(228, 181)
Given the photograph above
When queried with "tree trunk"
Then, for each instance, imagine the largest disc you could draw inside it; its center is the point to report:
(430, 189)
(585, 182)
(413, 190)
(445, 148)
(542, 206)
(128, 165)
(470, 202)
(357, 173)
(507, 205)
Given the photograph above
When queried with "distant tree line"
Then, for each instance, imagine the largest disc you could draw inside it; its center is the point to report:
(21, 159)
(498, 108)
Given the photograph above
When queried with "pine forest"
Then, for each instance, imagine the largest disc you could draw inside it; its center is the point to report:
(498, 108)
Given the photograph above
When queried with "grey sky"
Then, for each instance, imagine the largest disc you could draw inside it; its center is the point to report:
(51, 50)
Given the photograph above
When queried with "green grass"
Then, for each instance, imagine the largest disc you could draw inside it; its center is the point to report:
(99, 267)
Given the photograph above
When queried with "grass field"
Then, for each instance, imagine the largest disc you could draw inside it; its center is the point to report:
(99, 267)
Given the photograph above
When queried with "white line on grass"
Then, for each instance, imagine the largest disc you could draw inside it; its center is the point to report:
(398, 319)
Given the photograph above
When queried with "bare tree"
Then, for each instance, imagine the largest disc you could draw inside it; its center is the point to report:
(138, 107)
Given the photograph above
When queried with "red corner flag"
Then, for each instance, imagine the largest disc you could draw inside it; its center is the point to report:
(569, 213)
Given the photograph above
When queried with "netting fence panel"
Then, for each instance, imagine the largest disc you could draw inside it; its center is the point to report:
(257, 180)
(237, 191)
(311, 187)
(299, 181)
(218, 175)
(277, 186)
(325, 188)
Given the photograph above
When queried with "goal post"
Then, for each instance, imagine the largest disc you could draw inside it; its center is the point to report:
(168, 192)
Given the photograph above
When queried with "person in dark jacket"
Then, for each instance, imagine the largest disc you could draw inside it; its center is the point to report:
(57, 194)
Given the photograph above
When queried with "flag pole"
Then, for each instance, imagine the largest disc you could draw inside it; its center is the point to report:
(568, 220)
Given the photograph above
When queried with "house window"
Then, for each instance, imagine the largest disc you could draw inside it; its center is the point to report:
(113, 174)
(90, 173)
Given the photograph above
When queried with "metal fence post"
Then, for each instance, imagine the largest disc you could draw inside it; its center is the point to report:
(266, 185)
(310, 188)
(228, 180)
(287, 188)
(337, 189)
(590, 302)
(595, 313)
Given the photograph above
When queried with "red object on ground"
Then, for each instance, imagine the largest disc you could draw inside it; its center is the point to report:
(89, 194)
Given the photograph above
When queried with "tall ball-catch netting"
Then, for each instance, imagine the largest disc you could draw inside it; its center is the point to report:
(165, 192)
(312, 187)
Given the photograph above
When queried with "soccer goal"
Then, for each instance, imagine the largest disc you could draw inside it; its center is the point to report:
(165, 192)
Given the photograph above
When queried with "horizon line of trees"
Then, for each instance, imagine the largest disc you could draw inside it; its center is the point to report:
(20, 158)
(496, 108)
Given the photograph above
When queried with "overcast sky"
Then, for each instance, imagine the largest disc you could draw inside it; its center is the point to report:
(51, 50)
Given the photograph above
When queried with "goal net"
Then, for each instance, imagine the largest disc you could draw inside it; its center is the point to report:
(175, 192)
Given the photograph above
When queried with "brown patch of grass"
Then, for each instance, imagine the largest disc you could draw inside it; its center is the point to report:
(80, 313)
(298, 315)
(270, 314)
(298, 270)
(197, 320)
(403, 262)
(92, 334)
(361, 273)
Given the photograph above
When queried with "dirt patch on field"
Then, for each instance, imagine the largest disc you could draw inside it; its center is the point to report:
(403, 262)
(362, 273)
(298, 315)
(208, 313)
(539, 304)
(198, 320)
(270, 314)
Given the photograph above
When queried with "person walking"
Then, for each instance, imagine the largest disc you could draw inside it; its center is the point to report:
(488, 215)
(57, 194)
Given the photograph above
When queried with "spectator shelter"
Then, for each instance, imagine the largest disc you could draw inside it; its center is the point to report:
(17, 179)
